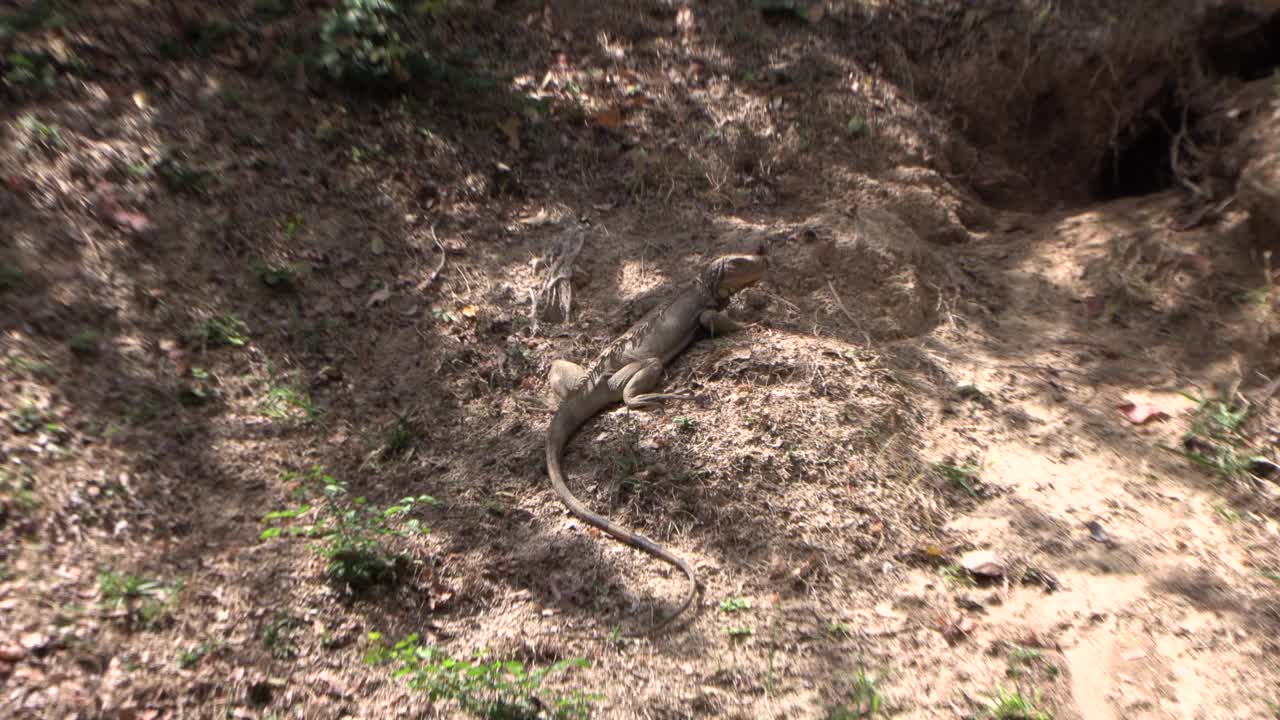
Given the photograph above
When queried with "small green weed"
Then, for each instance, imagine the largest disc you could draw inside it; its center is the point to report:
(223, 330)
(686, 425)
(953, 574)
(190, 657)
(178, 175)
(398, 438)
(31, 368)
(288, 401)
(1216, 439)
(349, 533)
(36, 133)
(28, 76)
(19, 486)
(11, 276)
(735, 604)
(277, 277)
(359, 44)
(1022, 659)
(277, 636)
(26, 418)
(738, 632)
(865, 700)
(964, 477)
(492, 689)
(84, 343)
(857, 127)
(149, 603)
(1013, 705)
(840, 629)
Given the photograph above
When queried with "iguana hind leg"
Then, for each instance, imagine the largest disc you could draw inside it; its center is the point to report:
(564, 377)
(637, 378)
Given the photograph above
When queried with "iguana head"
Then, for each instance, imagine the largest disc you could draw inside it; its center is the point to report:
(729, 274)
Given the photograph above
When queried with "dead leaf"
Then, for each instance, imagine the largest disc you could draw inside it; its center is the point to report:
(470, 311)
(1198, 263)
(379, 297)
(685, 21)
(954, 629)
(609, 118)
(542, 217)
(11, 653)
(1140, 413)
(136, 222)
(511, 128)
(1094, 306)
(17, 184)
(982, 562)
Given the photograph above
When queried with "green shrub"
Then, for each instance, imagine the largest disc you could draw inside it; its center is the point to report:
(359, 44)
(351, 535)
(492, 689)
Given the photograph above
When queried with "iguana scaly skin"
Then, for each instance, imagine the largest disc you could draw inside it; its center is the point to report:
(631, 366)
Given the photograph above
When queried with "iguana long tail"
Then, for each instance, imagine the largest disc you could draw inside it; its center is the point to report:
(563, 426)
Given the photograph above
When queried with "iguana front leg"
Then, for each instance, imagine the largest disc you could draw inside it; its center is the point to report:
(636, 379)
(564, 377)
(718, 323)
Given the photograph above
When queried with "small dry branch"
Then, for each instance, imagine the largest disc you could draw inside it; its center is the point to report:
(553, 300)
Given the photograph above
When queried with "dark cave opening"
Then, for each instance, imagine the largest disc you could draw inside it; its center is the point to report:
(1139, 162)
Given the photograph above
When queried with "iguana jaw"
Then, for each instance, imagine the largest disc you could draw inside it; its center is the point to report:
(732, 273)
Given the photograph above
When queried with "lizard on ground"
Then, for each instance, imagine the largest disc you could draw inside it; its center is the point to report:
(631, 366)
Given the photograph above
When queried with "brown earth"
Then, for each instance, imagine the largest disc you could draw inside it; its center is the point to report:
(991, 226)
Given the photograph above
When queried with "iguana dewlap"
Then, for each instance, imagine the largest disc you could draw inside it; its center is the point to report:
(630, 367)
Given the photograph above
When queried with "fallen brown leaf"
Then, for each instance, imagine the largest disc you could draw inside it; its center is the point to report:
(379, 297)
(609, 118)
(511, 128)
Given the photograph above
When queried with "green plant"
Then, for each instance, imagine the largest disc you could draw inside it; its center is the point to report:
(26, 418)
(865, 699)
(222, 330)
(963, 476)
(277, 636)
(190, 657)
(738, 632)
(349, 533)
(857, 127)
(840, 629)
(735, 604)
(1013, 705)
(276, 277)
(398, 438)
(953, 574)
(20, 487)
(84, 342)
(686, 425)
(26, 74)
(359, 44)
(286, 401)
(178, 174)
(11, 276)
(38, 133)
(493, 689)
(1023, 658)
(147, 602)
(1216, 439)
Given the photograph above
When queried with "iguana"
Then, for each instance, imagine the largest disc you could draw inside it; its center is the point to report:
(631, 366)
